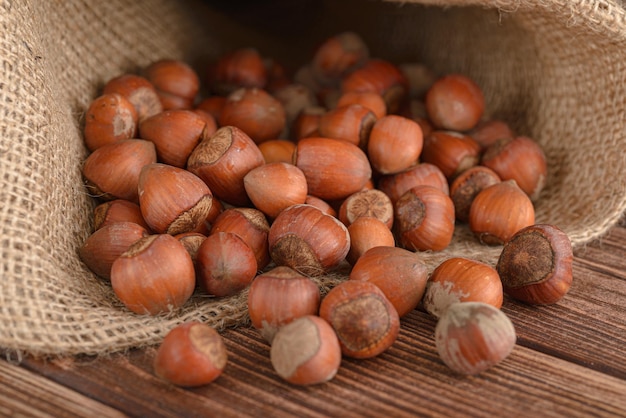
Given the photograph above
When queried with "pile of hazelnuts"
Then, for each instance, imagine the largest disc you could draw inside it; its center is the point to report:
(273, 180)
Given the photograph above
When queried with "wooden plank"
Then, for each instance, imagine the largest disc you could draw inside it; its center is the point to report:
(26, 394)
(406, 380)
(569, 361)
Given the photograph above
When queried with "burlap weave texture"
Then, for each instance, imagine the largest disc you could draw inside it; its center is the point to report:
(553, 68)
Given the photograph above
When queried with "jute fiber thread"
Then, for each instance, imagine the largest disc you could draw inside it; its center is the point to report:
(552, 68)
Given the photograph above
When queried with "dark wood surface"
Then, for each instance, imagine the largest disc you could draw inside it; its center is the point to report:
(569, 361)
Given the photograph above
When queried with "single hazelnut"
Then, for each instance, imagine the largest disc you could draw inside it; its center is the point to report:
(256, 112)
(112, 171)
(452, 152)
(536, 264)
(278, 151)
(467, 185)
(212, 105)
(459, 279)
(368, 99)
(225, 264)
(420, 78)
(307, 240)
(173, 200)
(275, 186)
(425, 219)
(472, 337)
(279, 296)
(365, 233)
(251, 226)
(365, 321)
(307, 123)
(367, 203)
(520, 159)
(334, 169)
(352, 123)
(455, 102)
(191, 354)
(118, 210)
(489, 131)
(155, 275)
(176, 83)
(421, 174)
(399, 273)
(107, 243)
(306, 351)
(222, 161)
(379, 76)
(499, 211)
(338, 56)
(239, 68)
(109, 118)
(175, 134)
(395, 144)
(137, 90)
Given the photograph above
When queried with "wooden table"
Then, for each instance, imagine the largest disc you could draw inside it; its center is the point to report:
(569, 361)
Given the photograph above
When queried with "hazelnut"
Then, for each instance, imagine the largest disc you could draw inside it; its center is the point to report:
(352, 123)
(472, 337)
(118, 210)
(395, 144)
(173, 200)
(322, 205)
(212, 105)
(137, 90)
(425, 219)
(455, 102)
(334, 169)
(536, 264)
(109, 118)
(222, 161)
(275, 186)
(242, 67)
(520, 159)
(279, 296)
(460, 279)
(369, 202)
(379, 76)
(175, 134)
(399, 273)
(256, 112)
(365, 321)
(176, 83)
(499, 211)
(370, 100)
(365, 233)
(307, 123)
(191, 354)
(488, 132)
(112, 171)
(307, 240)
(452, 152)
(294, 98)
(278, 151)
(306, 351)
(251, 226)
(225, 263)
(419, 76)
(338, 56)
(107, 243)
(421, 174)
(154, 275)
(467, 185)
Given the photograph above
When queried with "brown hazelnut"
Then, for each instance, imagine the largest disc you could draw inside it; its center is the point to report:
(109, 118)
(536, 264)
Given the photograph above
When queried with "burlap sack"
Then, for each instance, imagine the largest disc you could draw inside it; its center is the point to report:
(553, 68)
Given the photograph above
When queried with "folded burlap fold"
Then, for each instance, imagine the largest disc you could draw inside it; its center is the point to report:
(552, 68)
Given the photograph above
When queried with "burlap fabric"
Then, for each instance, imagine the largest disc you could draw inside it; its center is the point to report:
(553, 68)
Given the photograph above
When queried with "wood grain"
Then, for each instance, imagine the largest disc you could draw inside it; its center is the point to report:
(569, 361)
